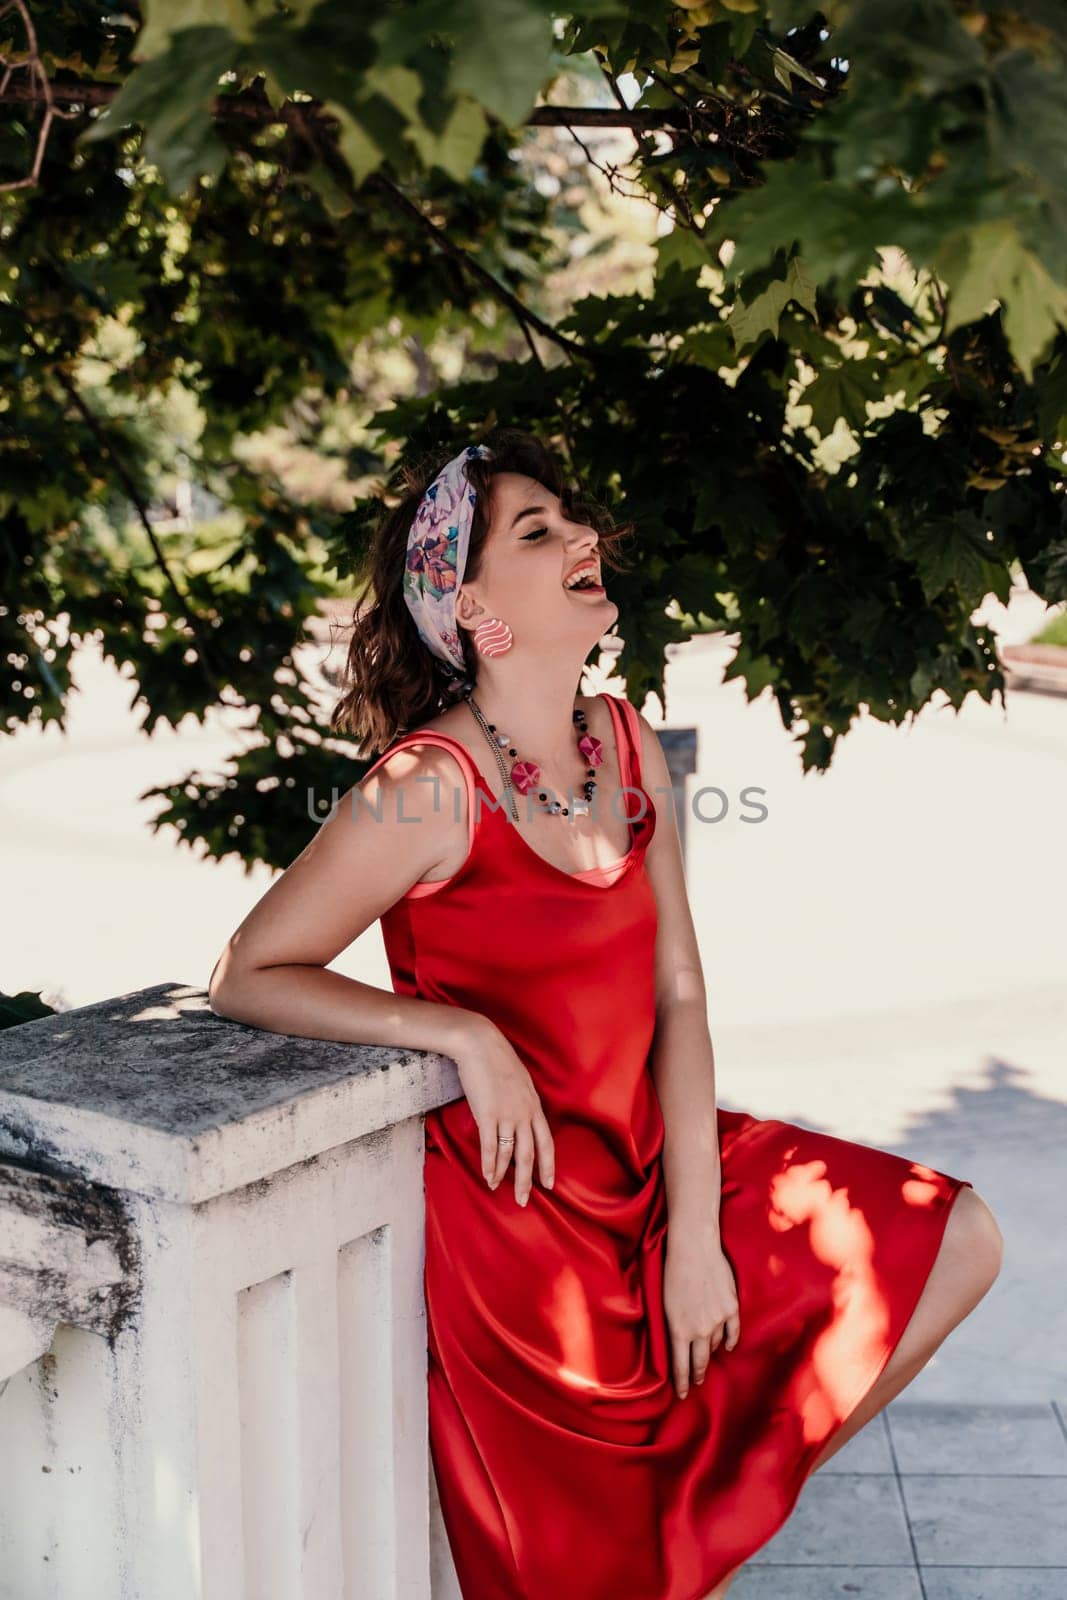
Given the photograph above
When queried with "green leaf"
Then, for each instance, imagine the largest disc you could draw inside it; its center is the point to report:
(842, 391)
(457, 148)
(801, 285)
(683, 248)
(911, 376)
(402, 31)
(26, 1006)
(332, 57)
(952, 550)
(165, 18)
(747, 322)
(171, 97)
(990, 263)
(757, 671)
(708, 347)
(337, 202)
(1035, 310)
(399, 85)
(356, 145)
(836, 226)
(1052, 399)
(786, 66)
(1050, 569)
(503, 56)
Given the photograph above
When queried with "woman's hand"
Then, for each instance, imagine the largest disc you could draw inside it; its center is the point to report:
(699, 1302)
(503, 1099)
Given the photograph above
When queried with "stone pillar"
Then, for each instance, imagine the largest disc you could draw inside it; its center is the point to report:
(680, 752)
(212, 1325)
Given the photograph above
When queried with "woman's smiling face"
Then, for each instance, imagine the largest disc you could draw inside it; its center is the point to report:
(531, 549)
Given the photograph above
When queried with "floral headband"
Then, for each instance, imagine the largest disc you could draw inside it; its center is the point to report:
(436, 560)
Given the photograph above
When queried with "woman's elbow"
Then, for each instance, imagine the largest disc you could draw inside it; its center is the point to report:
(220, 986)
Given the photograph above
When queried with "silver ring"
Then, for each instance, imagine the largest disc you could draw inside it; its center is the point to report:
(502, 1139)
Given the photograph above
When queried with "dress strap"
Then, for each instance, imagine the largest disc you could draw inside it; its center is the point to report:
(471, 773)
(627, 739)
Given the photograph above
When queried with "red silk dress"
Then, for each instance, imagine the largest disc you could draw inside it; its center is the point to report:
(567, 1466)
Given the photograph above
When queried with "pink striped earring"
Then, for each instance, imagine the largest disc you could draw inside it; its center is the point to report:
(492, 637)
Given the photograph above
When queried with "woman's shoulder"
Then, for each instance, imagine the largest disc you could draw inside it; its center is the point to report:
(442, 757)
(412, 756)
(417, 780)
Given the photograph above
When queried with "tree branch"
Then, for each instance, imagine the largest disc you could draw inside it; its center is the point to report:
(640, 119)
(39, 90)
(203, 650)
(328, 154)
(526, 317)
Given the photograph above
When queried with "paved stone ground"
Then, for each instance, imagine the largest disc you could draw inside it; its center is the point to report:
(940, 1502)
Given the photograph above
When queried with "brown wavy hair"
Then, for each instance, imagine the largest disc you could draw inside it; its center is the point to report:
(391, 682)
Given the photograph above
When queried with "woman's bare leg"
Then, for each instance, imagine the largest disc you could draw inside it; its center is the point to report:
(965, 1268)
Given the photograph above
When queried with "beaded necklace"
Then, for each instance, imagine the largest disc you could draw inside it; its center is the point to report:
(525, 775)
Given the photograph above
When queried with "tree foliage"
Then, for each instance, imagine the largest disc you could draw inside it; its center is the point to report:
(834, 408)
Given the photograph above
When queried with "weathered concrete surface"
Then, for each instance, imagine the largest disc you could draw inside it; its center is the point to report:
(212, 1329)
(67, 1253)
(153, 1094)
(23, 1339)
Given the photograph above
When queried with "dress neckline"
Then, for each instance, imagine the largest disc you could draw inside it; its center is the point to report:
(619, 868)
(584, 874)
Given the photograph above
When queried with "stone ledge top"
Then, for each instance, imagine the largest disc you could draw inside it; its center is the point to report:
(153, 1093)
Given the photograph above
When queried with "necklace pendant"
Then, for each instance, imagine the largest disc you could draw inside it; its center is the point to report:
(591, 748)
(525, 775)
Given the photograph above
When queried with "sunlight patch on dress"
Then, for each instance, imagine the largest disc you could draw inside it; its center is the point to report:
(855, 1337)
(922, 1188)
(570, 1314)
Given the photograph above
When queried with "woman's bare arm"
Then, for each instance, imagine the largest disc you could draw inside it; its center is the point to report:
(683, 1059)
(385, 834)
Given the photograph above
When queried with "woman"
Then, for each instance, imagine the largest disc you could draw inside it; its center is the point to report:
(649, 1318)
